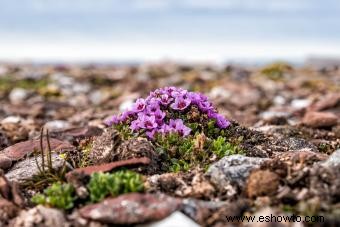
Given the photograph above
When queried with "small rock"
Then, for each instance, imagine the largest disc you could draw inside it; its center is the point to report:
(40, 216)
(233, 169)
(300, 103)
(15, 128)
(175, 219)
(27, 168)
(7, 211)
(22, 149)
(275, 117)
(110, 166)
(57, 125)
(333, 161)
(18, 96)
(219, 92)
(10, 191)
(327, 102)
(319, 119)
(98, 97)
(104, 146)
(132, 208)
(81, 88)
(5, 162)
(279, 100)
(136, 148)
(267, 115)
(261, 183)
(11, 120)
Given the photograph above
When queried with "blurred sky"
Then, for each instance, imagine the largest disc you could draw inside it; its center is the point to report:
(190, 30)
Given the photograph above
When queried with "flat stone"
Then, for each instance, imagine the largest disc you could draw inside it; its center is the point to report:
(133, 208)
(319, 119)
(22, 149)
(327, 102)
(27, 168)
(233, 169)
(110, 166)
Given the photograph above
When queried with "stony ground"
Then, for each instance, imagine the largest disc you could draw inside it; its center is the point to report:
(286, 119)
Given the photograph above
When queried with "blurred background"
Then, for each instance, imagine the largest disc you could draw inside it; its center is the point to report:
(181, 30)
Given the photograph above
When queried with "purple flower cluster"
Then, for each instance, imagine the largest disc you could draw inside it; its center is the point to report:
(150, 114)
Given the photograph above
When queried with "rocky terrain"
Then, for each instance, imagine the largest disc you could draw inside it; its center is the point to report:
(284, 119)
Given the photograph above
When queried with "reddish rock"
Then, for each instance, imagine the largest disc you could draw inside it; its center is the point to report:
(319, 119)
(22, 149)
(261, 183)
(110, 166)
(8, 211)
(10, 191)
(5, 162)
(5, 187)
(327, 102)
(131, 208)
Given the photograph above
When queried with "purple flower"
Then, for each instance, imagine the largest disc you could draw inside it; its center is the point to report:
(179, 127)
(151, 134)
(205, 106)
(127, 114)
(139, 105)
(180, 103)
(179, 93)
(153, 106)
(147, 122)
(165, 99)
(164, 129)
(135, 125)
(221, 121)
(159, 115)
(169, 90)
(152, 113)
(113, 120)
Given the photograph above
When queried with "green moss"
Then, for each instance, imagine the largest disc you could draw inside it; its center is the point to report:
(103, 184)
(9, 82)
(221, 147)
(185, 152)
(57, 195)
(124, 131)
(276, 70)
